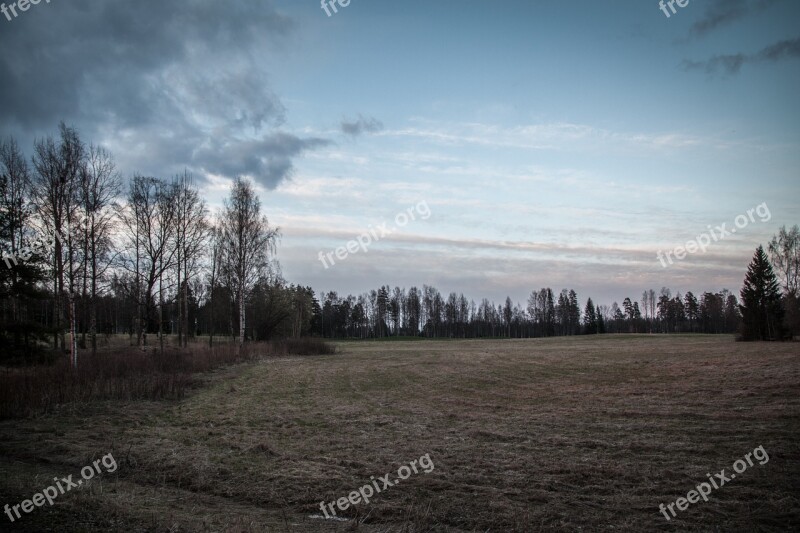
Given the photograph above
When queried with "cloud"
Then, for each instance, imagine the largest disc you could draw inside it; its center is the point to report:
(718, 14)
(361, 125)
(268, 160)
(548, 136)
(732, 64)
(161, 84)
(781, 50)
(724, 12)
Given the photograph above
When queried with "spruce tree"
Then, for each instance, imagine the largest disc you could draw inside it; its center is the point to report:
(762, 313)
(590, 318)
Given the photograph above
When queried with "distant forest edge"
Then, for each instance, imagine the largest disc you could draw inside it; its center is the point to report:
(84, 258)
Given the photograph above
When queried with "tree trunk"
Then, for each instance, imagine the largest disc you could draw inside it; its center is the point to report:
(93, 300)
(73, 341)
(161, 314)
(211, 319)
(186, 309)
(241, 319)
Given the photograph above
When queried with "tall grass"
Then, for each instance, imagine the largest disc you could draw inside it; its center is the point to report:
(130, 374)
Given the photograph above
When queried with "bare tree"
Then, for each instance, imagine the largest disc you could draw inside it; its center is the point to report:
(784, 251)
(148, 228)
(191, 233)
(99, 186)
(247, 240)
(649, 308)
(213, 277)
(55, 194)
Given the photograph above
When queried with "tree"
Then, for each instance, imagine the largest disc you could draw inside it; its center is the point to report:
(20, 270)
(382, 310)
(692, 309)
(600, 312)
(247, 240)
(396, 308)
(712, 313)
(784, 251)
(55, 195)
(191, 234)
(590, 318)
(412, 312)
(731, 313)
(507, 314)
(630, 314)
(99, 185)
(148, 221)
(213, 277)
(617, 317)
(762, 314)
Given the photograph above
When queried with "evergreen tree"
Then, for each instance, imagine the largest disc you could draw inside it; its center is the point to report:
(574, 313)
(762, 313)
(691, 309)
(590, 318)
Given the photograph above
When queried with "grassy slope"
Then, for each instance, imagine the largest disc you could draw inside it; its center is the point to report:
(588, 433)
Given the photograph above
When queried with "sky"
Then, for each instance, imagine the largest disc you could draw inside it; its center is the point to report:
(490, 148)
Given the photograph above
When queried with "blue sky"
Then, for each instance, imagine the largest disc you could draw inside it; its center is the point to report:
(556, 143)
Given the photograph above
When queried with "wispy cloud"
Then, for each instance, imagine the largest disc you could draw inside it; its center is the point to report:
(361, 125)
(732, 64)
(721, 13)
(550, 136)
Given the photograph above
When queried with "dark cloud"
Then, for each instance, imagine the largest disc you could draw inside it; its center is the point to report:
(162, 84)
(268, 159)
(718, 14)
(723, 12)
(781, 50)
(361, 125)
(732, 64)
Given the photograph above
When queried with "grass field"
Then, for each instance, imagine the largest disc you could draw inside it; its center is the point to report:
(586, 433)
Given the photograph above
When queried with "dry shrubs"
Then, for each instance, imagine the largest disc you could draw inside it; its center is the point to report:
(130, 374)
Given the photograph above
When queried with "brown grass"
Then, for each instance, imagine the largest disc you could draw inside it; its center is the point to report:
(131, 374)
(528, 435)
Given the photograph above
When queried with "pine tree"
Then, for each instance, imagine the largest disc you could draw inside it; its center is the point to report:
(574, 313)
(762, 313)
(590, 318)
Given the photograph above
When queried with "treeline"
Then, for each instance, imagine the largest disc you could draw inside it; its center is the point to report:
(387, 312)
(769, 308)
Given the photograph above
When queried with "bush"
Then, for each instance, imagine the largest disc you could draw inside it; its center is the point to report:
(132, 374)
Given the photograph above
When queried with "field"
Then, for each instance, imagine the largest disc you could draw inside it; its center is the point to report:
(585, 433)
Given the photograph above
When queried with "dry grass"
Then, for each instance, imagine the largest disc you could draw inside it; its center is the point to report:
(131, 374)
(527, 435)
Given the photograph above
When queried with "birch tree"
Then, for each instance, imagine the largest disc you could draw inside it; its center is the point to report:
(54, 192)
(246, 242)
(191, 233)
(99, 186)
(148, 229)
